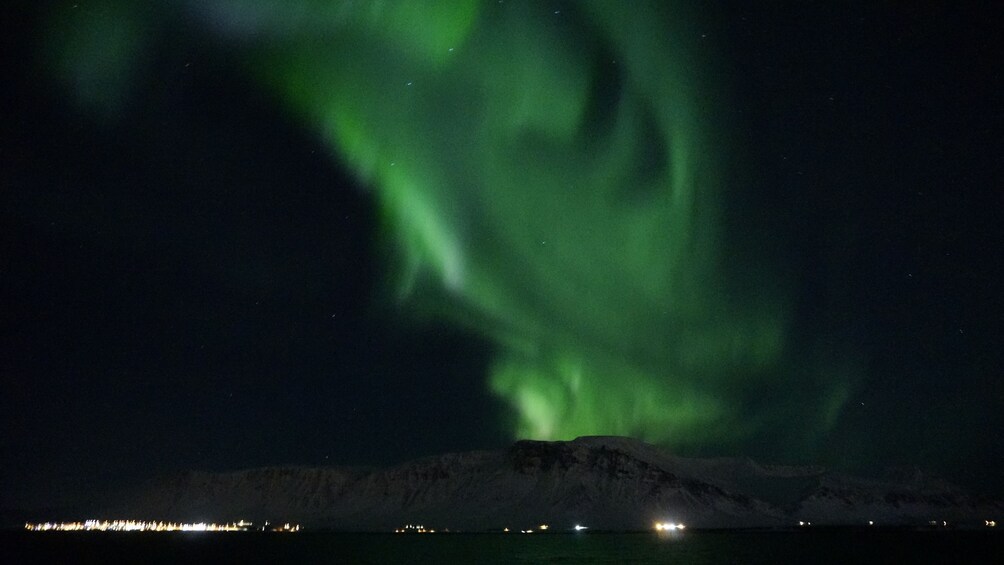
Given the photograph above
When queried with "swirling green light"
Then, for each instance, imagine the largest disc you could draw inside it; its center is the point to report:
(553, 179)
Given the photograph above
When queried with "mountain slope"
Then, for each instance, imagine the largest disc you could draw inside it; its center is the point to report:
(603, 482)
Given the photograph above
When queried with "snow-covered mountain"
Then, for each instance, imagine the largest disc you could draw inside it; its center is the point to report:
(600, 482)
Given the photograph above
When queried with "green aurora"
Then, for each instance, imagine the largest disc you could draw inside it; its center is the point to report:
(553, 179)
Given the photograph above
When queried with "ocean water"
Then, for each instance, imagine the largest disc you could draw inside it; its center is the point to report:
(835, 546)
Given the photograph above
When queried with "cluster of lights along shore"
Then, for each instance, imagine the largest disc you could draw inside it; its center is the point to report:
(421, 529)
(154, 526)
(244, 526)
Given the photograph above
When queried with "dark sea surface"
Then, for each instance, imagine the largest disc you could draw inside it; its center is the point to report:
(822, 546)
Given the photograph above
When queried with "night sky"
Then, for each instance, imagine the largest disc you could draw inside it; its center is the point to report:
(244, 234)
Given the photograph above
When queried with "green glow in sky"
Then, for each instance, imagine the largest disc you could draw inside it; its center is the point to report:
(554, 179)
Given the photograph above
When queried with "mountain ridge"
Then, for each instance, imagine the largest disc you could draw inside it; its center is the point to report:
(603, 482)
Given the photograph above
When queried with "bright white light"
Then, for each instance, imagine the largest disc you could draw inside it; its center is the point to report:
(140, 526)
(579, 528)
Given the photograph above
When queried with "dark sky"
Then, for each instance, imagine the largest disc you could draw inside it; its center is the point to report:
(195, 282)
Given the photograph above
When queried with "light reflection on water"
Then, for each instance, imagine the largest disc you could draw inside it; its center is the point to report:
(837, 546)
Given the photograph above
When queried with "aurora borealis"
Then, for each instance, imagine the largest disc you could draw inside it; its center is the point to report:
(552, 179)
(724, 229)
